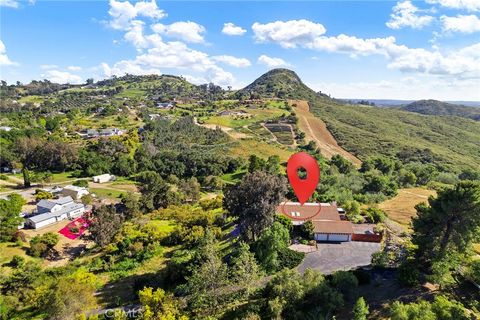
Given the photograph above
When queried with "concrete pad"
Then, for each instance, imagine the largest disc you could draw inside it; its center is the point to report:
(331, 257)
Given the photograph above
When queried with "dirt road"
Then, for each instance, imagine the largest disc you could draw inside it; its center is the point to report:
(316, 130)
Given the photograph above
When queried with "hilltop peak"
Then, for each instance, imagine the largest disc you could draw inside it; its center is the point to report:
(278, 83)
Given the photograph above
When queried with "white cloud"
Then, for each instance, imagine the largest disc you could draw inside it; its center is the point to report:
(233, 61)
(232, 30)
(469, 5)
(9, 3)
(123, 12)
(272, 62)
(58, 76)
(405, 14)
(4, 60)
(288, 34)
(135, 34)
(461, 23)
(48, 66)
(184, 30)
(155, 55)
(74, 68)
(460, 63)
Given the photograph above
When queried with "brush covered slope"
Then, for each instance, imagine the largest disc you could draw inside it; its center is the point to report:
(446, 141)
(439, 108)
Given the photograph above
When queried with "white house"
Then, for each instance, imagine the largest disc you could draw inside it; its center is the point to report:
(52, 211)
(74, 191)
(104, 178)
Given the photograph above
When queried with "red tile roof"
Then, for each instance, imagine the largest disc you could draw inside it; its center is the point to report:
(328, 226)
(308, 211)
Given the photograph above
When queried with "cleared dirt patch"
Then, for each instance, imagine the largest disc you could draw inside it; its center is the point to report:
(316, 130)
(401, 208)
(227, 130)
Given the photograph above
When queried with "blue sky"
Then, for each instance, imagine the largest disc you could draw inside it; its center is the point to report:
(349, 49)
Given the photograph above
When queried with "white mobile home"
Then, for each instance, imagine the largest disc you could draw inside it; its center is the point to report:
(103, 178)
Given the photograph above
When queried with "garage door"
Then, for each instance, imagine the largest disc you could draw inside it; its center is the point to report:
(44, 223)
(320, 236)
(333, 237)
(338, 237)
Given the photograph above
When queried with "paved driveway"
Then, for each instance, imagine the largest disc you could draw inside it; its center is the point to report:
(331, 257)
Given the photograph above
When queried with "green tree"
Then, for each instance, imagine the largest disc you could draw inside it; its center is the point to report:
(342, 164)
(10, 216)
(159, 305)
(308, 230)
(205, 286)
(360, 310)
(42, 244)
(71, 296)
(191, 189)
(155, 191)
(254, 201)
(255, 163)
(105, 224)
(244, 270)
(444, 230)
(131, 203)
(412, 311)
(271, 242)
(273, 164)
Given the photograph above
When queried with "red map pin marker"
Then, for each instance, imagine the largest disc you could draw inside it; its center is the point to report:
(303, 188)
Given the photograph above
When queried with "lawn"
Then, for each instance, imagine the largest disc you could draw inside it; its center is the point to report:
(233, 121)
(232, 178)
(246, 147)
(56, 177)
(401, 208)
(7, 251)
(107, 193)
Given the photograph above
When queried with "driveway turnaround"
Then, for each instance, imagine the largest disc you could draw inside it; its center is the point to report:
(331, 257)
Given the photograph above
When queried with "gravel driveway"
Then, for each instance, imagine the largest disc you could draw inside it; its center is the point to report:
(331, 257)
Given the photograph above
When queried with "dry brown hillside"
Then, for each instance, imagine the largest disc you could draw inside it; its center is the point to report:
(316, 130)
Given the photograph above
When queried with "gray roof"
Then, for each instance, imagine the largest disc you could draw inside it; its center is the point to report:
(63, 200)
(47, 205)
(48, 215)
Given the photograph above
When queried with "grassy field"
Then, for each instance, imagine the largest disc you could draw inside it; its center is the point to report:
(246, 147)
(402, 207)
(253, 116)
(107, 193)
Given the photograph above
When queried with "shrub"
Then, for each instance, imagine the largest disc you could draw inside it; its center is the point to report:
(346, 283)
(380, 259)
(17, 261)
(81, 183)
(41, 245)
(374, 215)
(307, 230)
(289, 259)
(408, 274)
(3, 177)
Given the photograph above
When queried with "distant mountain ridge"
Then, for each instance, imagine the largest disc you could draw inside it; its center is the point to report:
(439, 108)
(397, 103)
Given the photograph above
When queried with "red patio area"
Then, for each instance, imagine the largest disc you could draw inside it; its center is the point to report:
(81, 224)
